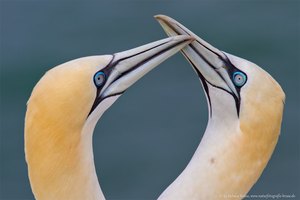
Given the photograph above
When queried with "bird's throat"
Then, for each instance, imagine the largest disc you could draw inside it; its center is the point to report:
(63, 169)
(228, 161)
(60, 156)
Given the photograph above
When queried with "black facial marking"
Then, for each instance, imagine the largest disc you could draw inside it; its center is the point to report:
(140, 63)
(204, 83)
(231, 69)
(108, 69)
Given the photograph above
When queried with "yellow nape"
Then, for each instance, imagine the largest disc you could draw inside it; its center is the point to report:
(242, 153)
(56, 113)
(260, 125)
(234, 151)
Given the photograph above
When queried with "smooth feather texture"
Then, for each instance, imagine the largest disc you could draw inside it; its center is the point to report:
(234, 149)
(59, 165)
(61, 117)
(230, 159)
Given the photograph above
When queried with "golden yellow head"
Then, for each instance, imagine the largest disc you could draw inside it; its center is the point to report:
(232, 84)
(261, 99)
(64, 108)
(66, 93)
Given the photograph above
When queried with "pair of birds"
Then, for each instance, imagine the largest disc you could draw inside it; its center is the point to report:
(245, 113)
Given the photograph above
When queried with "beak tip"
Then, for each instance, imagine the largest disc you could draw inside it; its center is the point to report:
(158, 16)
(167, 23)
(162, 19)
(165, 19)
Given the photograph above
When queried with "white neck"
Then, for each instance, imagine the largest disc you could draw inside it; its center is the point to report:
(87, 146)
(225, 163)
(201, 179)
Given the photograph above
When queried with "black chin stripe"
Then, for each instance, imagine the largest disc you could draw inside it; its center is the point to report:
(224, 58)
(236, 99)
(203, 83)
(107, 70)
(206, 90)
(198, 53)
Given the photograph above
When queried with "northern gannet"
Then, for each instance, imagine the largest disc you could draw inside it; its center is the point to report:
(64, 108)
(245, 113)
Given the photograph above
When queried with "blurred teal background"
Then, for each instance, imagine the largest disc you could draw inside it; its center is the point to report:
(148, 136)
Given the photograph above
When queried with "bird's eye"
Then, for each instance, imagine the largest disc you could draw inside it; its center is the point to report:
(99, 79)
(239, 79)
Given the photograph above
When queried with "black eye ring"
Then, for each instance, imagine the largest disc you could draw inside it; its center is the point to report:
(99, 79)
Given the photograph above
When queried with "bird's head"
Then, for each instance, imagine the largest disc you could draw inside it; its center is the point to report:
(64, 108)
(237, 90)
(81, 90)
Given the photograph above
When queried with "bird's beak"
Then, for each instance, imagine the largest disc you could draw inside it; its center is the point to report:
(211, 64)
(129, 66)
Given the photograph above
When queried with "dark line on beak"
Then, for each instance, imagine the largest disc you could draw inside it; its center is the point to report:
(203, 80)
(121, 59)
(150, 58)
(107, 70)
(220, 56)
(224, 59)
(191, 45)
(197, 52)
(97, 99)
(145, 61)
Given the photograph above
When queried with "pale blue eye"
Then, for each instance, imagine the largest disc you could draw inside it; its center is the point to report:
(99, 79)
(239, 78)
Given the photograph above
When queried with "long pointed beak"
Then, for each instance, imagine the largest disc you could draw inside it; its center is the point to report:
(129, 66)
(211, 64)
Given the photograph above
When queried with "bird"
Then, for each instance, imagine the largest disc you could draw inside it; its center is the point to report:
(64, 108)
(245, 109)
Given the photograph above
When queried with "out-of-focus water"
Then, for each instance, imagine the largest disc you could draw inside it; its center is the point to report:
(148, 136)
